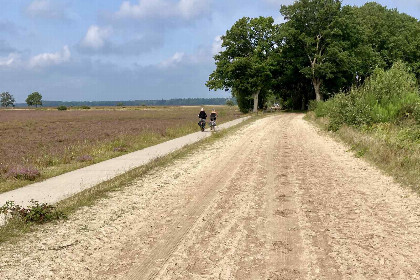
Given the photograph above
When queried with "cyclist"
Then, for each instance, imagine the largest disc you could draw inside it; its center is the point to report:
(203, 116)
(213, 115)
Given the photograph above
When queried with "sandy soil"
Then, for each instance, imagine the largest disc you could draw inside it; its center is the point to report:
(277, 200)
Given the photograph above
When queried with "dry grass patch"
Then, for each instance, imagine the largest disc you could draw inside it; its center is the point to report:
(393, 147)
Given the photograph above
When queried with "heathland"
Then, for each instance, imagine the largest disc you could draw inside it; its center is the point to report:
(38, 144)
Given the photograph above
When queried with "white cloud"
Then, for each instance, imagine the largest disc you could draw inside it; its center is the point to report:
(47, 9)
(217, 45)
(46, 59)
(185, 9)
(278, 3)
(193, 8)
(96, 37)
(175, 59)
(10, 60)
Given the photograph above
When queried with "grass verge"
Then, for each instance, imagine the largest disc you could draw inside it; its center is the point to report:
(394, 148)
(16, 228)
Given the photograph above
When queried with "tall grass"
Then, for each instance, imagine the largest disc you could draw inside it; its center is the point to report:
(380, 121)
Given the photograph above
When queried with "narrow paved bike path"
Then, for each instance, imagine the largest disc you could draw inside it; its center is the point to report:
(63, 186)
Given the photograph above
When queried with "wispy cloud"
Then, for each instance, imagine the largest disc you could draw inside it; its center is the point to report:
(278, 3)
(174, 60)
(163, 9)
(104, 41)
(47, 59)
(10, 60)
(47, 9)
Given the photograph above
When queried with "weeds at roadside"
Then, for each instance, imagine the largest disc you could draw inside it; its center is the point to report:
(393, 148)
(36, 213)
(21, 220)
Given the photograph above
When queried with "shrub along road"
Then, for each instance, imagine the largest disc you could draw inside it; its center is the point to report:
(276, 200)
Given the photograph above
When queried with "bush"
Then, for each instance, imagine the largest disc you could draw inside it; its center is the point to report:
(85, 107)
(230, 103)
(35, 213)
(387, 96)
(23, 173)
(62, 108)
(313, 104)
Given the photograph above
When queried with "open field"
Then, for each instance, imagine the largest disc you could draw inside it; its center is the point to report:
(53, 142)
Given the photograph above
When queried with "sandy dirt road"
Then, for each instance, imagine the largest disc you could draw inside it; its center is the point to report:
(276, 200)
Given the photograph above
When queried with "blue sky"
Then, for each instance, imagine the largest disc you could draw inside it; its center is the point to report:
(123, 50)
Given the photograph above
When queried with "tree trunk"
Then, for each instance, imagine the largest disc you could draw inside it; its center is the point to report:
(256, 101)
(303, 104)
(317, 85)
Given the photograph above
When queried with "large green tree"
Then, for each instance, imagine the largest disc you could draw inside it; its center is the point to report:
(388, 37)
(244, 65)
(34, 99)
(313, 31)
(6, 99)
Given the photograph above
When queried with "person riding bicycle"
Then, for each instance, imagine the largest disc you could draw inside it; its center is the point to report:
(213, 115)
(202, 116)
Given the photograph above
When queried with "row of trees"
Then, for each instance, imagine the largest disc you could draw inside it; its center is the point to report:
(33, 99)
(322, 48)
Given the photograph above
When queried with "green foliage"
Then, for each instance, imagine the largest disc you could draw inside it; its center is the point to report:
(387, 96)
(244, 66)
(62, 108)
(313, 104)
(230, 103)
(388, 36)
(84, 107)
(7, 99)
(317, 34)
(271, 100)
(34, 99)
(36, 213)
(120, 104)
(323, 48)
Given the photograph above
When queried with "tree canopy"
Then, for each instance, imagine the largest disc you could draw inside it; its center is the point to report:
(244, 65)
(34, 99)
(321, 49)
(7, 99)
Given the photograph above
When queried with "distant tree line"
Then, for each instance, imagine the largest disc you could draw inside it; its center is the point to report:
(161, 102)
(322, 49)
